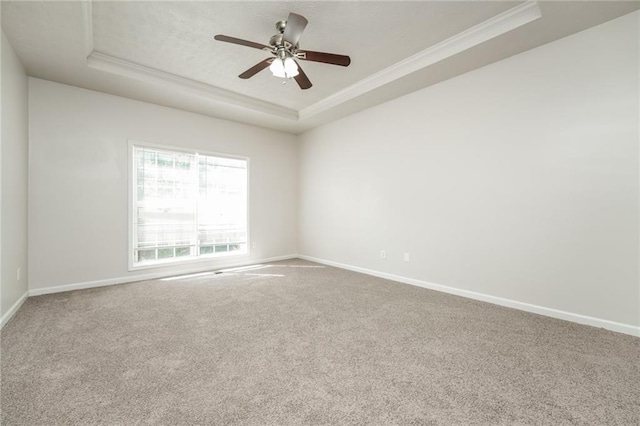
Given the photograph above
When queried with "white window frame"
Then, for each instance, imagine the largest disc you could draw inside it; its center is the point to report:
(131, 193)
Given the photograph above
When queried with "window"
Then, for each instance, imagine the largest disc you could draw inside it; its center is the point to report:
(186, 205)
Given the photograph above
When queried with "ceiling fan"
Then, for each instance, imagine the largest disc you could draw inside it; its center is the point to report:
(284, 46)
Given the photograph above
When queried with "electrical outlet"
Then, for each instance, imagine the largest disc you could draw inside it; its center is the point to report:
(383, 254)
(406, 257)
(18, 274)
(254, 244)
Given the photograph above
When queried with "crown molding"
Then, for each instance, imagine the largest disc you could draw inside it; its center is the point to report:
(112, 64)
(491, 28)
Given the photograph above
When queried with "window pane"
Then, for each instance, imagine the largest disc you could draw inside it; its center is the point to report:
(165, 253)
(146, 255)
(183, 251)
(206, 249)
(223, 201)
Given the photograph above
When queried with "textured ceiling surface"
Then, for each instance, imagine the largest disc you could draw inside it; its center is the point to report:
(52, 40)
(44, 32)
(177, 37)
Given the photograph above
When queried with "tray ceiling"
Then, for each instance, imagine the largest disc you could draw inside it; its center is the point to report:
(178, 38)
(164, 52)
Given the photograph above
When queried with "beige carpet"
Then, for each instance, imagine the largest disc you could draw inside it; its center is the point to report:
(295, 342)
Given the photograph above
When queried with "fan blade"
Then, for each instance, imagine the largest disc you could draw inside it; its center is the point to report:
(327, 58)
(302, 79)
(256, 68)
(294, 28)
(241, 42)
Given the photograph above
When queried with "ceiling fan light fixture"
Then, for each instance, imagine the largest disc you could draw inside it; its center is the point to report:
(290, 67)
(284, 68)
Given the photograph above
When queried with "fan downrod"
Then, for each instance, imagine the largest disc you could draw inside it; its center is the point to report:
(277, 41)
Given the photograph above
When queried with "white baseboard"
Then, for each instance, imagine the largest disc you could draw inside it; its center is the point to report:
(152, 276)
(541, 310)
(11, 312)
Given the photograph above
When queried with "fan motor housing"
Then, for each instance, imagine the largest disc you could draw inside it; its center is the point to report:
(277, 40)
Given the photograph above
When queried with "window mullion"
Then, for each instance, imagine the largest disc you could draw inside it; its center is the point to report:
(196, 191)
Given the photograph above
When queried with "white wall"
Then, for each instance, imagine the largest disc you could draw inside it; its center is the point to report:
(518, 180)
(78, 180)
(14, 163)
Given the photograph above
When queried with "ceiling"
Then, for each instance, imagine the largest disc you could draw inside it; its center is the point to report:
(163, 52)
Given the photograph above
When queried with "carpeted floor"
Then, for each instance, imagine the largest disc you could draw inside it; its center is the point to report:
(295, 342)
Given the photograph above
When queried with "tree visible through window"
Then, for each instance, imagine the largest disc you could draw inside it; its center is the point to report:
(187, 205)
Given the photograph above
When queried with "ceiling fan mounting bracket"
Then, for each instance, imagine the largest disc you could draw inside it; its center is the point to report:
(281, 25)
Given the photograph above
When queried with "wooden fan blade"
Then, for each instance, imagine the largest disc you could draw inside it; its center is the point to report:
(327, 58)
(241, 42)
(294, 28)
(302, 79)
(256, 68)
